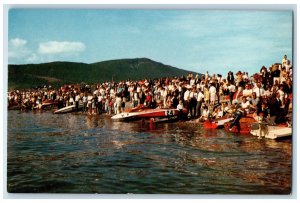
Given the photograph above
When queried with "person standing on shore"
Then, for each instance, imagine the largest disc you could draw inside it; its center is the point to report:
(206, 95)
(180, 109)
(186, 97)
(232, 91)
(84, 100)
(77, 98)
(284, 61)
(193, 103)
(200, 97)
(213, 94)
(230, 77)
(89, 102)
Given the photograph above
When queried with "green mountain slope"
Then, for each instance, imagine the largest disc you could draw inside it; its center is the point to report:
(59, 73)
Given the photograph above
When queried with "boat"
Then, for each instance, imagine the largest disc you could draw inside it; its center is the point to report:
(245, 124)
(68, 109)
(142, 112)
(217, 123)
(49, 103)
(275, 132)
(46, 103)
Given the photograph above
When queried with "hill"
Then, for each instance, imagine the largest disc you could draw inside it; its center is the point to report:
(59, 73)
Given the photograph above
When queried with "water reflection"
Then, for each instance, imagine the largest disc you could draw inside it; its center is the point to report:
(79, 153)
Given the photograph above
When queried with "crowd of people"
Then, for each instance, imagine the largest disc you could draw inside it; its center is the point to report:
(266, 93)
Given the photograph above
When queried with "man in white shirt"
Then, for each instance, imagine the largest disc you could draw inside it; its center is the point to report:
(247, 92)
(260, 92)
(284, 61)
(200, 98)
(77, 98)
(232, 91)
(186, 97)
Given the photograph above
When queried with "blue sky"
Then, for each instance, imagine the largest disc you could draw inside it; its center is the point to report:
(197, 40)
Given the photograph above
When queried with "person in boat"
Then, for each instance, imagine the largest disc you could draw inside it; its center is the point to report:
(169, 102)
(237, 117)
(153, 103)
(245, 104)
(218, 113)
(205, 114)
(224, 108)
(255, 102)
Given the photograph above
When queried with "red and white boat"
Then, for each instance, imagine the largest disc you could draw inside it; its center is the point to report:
(217, 123)
(141, 112)
(245, 124)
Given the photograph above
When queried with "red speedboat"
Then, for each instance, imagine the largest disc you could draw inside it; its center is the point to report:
(217, 123)
(245, 123)
(141, 112)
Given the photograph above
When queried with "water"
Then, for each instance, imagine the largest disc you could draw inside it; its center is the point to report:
(75, 153)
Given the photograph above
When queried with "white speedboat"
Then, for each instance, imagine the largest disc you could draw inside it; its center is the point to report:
(143, 112)
(68, 109)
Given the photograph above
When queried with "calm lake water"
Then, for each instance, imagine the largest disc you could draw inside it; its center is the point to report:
(76, 153)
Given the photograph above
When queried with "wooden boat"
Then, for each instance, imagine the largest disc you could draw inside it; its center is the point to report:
(275, 132)
(217, 123)
(245, 123)
(144, 112)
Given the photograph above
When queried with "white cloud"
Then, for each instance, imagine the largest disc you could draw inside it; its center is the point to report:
(55, 47)
(17, 48)
(17, 42)
(20, 51)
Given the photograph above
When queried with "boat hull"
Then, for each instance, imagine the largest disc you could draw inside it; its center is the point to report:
(146, 113)
(275, 132)
(218, 123)
(68, 109)
(245, 124)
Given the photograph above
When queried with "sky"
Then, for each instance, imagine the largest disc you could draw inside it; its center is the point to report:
(216, 41)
